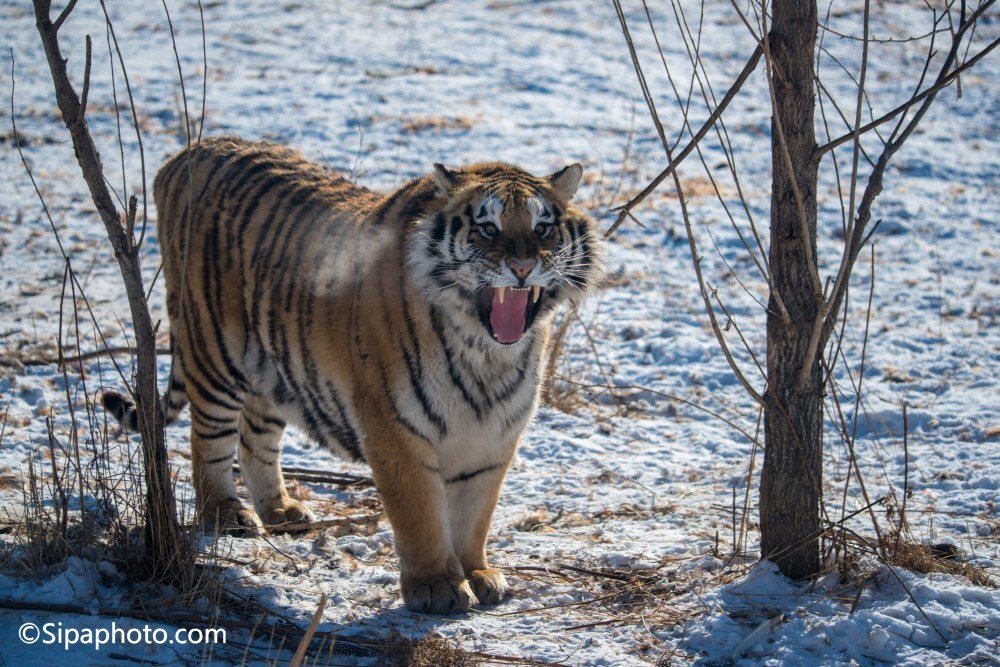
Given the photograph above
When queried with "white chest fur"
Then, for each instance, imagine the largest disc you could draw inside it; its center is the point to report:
(471, 404)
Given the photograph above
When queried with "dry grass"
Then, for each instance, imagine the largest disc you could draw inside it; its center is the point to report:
(87, 500)
(428, 651)
(930, 558)
(577, 374)
(554, 393)
(436, 123)
(569, 357)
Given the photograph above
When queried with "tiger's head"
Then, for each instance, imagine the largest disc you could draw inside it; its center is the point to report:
(505, 248)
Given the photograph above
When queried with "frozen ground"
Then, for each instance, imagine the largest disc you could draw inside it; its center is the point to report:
(615, 525)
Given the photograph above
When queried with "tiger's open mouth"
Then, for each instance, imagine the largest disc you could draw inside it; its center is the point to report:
(507, 312)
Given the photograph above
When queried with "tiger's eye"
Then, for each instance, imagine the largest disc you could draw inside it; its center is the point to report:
(487, 229)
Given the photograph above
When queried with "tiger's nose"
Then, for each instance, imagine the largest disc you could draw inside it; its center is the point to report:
(521, 267)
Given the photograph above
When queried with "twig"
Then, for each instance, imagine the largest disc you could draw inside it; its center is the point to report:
(561, 568)
(24, 162)
(162, 530)
(844, 519)
(346, 522)
(85, 356)
(744, 527)
(48, 214)
(906, 478)
(595, 624)
(65, 372)
(85, 90)
(850, 436)
(692, 243)
(672, 397)
(515, 660)
(902, 583)
(138, 134)
(692, 46)
(875, 180)
(319, 477)
(310, 631)
(64, 15)
(850, 125)
(843, 273)
(565, 605)
(416, 7)
(597, 357)
(942, 83)
(731, 322)
(624, 209)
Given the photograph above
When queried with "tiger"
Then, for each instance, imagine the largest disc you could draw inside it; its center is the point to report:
(406, 330)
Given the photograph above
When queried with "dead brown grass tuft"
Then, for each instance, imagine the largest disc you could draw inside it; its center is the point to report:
(928, 558)
(436, 123)
(429, 651)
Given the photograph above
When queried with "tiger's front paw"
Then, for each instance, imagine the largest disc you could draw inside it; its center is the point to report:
(489, 585)
(231, 516)
(286, 510)
(438, 595)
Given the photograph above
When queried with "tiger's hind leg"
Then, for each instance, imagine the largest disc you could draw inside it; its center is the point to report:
(260, 463)
(214, 436)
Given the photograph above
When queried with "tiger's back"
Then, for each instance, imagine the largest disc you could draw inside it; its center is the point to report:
(403, 329)
(272, 244)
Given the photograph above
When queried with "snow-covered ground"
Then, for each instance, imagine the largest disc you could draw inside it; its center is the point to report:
(617, 520)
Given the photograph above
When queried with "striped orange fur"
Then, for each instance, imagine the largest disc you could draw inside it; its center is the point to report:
(405, 329)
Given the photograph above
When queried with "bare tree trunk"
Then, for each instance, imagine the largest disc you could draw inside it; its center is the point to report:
(791, 477)
(162, 531)
(802, 313)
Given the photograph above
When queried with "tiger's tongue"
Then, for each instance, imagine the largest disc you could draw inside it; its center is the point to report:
(507, 318)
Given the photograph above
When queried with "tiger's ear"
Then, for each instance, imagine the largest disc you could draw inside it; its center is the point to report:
(566, 180)
(445, 179)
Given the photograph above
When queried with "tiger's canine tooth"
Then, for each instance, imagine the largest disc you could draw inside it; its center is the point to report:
(500, 293)
(537, 292)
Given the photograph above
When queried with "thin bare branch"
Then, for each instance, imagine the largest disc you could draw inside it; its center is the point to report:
(24, 161)
(850, 434)
(346, 522)
(86, 78)
(180, 73)
(878, 40)
(943, 82)
(875, 180)
(45, 360)
(692, 46)
(300, 652)
(748, 69)
(731, 322)
(850, 75)
(825, 93)
(692, 243)
(661, 394)
(63, 15)
(162, 530)
(135, 125)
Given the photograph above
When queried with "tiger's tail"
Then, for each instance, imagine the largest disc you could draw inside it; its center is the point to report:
(122, 407)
